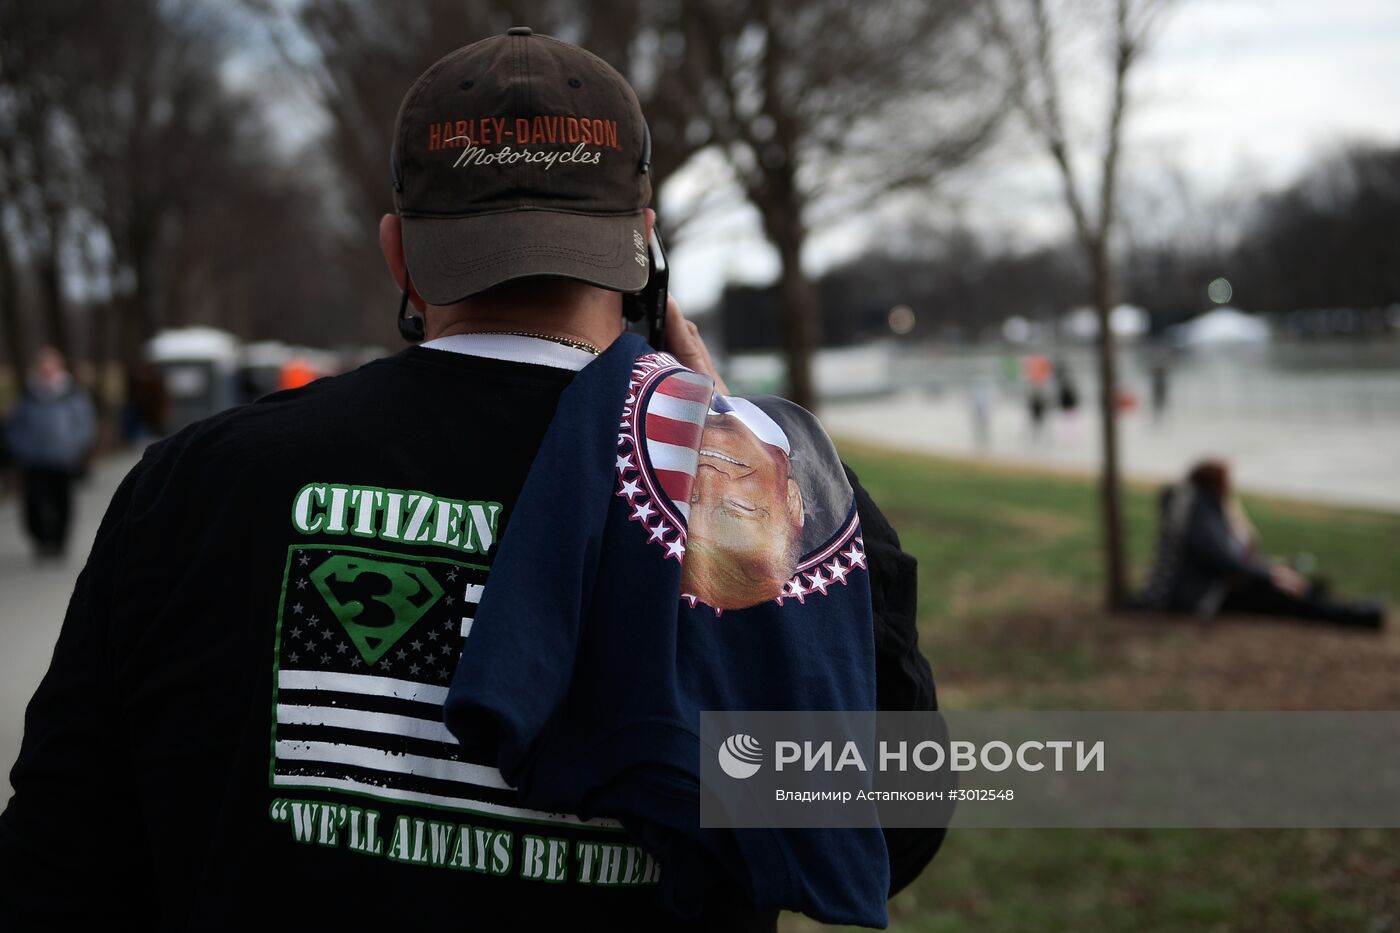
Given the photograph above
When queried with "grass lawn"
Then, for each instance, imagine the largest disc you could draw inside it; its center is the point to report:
(1009, 618)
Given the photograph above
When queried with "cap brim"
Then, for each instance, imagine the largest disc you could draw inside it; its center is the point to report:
(451, 258)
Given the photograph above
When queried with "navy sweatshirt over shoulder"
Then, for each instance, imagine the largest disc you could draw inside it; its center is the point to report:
(674, 551)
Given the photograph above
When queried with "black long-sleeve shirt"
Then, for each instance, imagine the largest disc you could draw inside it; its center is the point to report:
(181, 769)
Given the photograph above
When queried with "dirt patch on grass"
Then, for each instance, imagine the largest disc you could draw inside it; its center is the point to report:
(1043, 525)
(1257, 663)
(1001, 604)
(1053, 654)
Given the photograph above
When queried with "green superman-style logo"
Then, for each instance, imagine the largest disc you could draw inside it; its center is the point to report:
(411, 591)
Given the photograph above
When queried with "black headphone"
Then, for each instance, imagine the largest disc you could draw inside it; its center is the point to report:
(411, 326)
(649, 304)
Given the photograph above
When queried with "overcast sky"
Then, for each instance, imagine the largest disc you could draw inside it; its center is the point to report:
(1237, 94)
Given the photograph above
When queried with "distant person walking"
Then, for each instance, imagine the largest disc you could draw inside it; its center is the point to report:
(1036, 404)
(50, 433)
(979, 400)
(1037, 371)
(1209, 563)
(1160, 377)
(1067, 392)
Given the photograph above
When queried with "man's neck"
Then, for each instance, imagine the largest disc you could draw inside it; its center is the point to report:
(596, 321)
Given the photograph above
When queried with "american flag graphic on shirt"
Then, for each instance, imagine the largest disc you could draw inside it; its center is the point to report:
(658, 446)
(674, 423)
(367, 642)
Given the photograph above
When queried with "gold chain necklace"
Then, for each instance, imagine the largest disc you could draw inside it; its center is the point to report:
(583, 345)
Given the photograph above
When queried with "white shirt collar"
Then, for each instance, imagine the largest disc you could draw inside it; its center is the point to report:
(515, 349)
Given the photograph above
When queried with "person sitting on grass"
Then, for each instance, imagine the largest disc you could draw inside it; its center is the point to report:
(1208, 561)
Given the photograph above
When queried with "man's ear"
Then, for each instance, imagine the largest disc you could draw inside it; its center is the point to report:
(391, 245)
(649, 216)
(794, 502)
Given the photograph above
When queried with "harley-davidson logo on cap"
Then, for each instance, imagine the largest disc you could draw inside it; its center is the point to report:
(521, 155)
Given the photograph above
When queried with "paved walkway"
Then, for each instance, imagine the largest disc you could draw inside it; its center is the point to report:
(34, 597)
(1346, 460)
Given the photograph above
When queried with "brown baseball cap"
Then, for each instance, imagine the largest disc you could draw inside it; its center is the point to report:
(516, 156)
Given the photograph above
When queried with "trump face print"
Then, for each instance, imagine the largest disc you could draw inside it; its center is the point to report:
(747, 493)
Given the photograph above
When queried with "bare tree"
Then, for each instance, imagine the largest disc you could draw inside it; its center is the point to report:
(826, 103)
(788, 90)
(1030, 34)
(36, 168)
(131, 168)
(11, 319)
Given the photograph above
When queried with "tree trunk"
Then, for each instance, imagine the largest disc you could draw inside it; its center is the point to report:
(137, 320)
(800, 315)
(9, 311)
(799, 311)
(1110, 481)
(100, 349)
(51, 288)
(134, 327)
